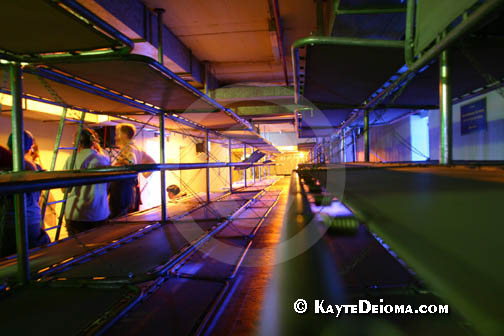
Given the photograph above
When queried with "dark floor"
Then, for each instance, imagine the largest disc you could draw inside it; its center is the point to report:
(241, 314)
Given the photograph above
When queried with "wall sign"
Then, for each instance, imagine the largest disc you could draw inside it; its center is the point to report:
(473, 117)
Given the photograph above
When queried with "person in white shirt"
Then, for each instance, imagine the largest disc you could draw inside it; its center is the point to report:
(125, 195)
(87, 205)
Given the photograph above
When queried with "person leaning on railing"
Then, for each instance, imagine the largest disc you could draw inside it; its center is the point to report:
(87, 206)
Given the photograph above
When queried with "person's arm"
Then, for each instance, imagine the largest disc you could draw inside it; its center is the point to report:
(147, 159)
(125, 157)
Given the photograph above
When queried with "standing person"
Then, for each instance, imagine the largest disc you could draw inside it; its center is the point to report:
(36, 235)
(87, 205)
(125, 195)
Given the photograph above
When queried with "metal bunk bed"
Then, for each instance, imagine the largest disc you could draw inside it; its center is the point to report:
(408, 73)
(442, 221)
(60, 71)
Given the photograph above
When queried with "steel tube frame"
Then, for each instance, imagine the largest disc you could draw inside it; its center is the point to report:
(15, 182)
(343, 146)
(320, 17)
(253, 171)
(245, 170)
(162, 160)
(327, 40)
(409, 34)
(18, 164)
(371, 11)
(276, 14)
(466, 25)
(366, 136)
(445, 110)
(48, 74)
(230, 155)
(354, 142)
(159, 12)
(207, 150)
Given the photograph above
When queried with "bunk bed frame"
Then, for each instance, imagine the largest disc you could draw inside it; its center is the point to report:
(48, 67)
(416, 209)
(409, 67)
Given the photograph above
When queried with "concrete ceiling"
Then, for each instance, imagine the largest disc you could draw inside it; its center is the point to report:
(235, 37)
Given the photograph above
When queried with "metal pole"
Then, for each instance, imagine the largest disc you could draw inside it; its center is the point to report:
(164, 217)
(343, 146)
(320, 18)
(253, 171)
(18, 165)
(409, 34)
(330, 155)
(245, 170)
(366, 135)
(159, 12)
(207, 142)
(230, 168)
(445, 109)
(354, 141)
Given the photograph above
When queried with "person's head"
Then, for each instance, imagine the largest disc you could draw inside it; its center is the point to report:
(173, 190)
(5, 159)
(124, 134)
(28, 141)
(88, 138)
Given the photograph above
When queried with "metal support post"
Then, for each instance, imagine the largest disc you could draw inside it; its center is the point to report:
(230, 154)
(330, 155)
(159, 12)
(366, 136)
(354, 142)
(445, 109)
(245, 170)
(343, 145)
(253, 171)
(18, 165)
(207, 150)
(162, 172)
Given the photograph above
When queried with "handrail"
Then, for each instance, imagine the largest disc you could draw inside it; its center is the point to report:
(28, 181)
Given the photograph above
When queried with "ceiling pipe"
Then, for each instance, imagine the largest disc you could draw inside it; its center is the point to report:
(276, 14)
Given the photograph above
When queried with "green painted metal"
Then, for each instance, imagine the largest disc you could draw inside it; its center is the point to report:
(159, 12)
(207, 170)
(18, 165)
(245, 170)
(370, 11)
(320, 17)
(433, 17)
(230, 155)
(366, 136)
(342, 145)
(162, 160)
(445, 109)
(345, 41)
(72, 165)
(476, 17)
(409, 39)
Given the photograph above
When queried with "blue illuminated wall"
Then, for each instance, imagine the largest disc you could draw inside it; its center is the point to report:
(419, 137)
